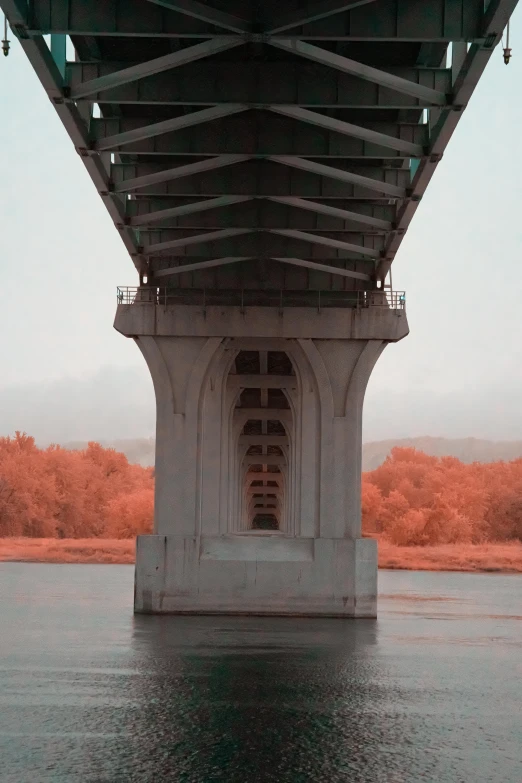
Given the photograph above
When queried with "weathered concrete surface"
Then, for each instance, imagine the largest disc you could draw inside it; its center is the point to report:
(371, 323)
(178, 574)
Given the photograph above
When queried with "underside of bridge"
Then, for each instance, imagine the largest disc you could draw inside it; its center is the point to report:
(261, 161)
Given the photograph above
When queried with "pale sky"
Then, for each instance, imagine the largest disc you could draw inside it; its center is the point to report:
(62, 258)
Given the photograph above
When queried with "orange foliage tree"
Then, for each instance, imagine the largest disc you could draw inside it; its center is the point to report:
(415, 499)
(54, 492)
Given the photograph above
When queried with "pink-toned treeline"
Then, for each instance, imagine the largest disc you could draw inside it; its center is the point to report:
(410, 499)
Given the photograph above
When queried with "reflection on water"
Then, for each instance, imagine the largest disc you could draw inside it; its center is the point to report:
(429, 692)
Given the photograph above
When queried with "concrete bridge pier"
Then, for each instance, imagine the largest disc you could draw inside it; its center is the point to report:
(258, 458)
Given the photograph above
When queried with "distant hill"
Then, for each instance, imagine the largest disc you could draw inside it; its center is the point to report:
(465, 449)
(141, 450)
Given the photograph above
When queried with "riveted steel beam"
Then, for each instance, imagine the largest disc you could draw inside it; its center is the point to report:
(318, 239)
(205, 13)
(349, 129)
(331, 211)
(182, 268)
(363, 71)
(312, 13)
(333, 270)
(199, 239)
(167, 126)
(178, 172)
(339, 174)
(187, 209)
(166, 63)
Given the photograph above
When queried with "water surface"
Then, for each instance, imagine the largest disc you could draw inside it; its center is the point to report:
(432, 691)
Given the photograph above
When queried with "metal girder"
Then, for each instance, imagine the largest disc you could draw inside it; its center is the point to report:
(167, 126)
(41, 59)
(333, 270)
(211, 82)
(326, 209)
(205, 13)
(179, 270)
(166, 63)
(199, 239)
(472, 67)
(366, 72)
(343, 176)
(178, 172)
(312, 13)
(187, 209)
(349, 129)
(317, 239)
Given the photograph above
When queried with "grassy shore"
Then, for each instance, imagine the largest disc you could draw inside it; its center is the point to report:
(503, 558)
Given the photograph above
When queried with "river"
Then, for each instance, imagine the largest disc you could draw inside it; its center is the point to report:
(430, 692)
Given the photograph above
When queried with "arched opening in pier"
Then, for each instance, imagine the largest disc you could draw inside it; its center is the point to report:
(264, 434)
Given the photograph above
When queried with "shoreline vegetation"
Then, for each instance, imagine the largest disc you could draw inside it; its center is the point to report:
(491, 557)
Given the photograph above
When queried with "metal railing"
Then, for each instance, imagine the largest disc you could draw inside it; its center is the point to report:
(208, 297)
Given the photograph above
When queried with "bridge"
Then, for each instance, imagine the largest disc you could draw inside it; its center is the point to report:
(261, 161)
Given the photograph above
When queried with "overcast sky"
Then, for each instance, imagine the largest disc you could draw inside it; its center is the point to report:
(61, 260)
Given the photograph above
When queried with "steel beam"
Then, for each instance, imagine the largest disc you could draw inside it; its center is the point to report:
(179, 270)
(333, 270)
(326, 209)
(312, 13)
(342, 176)
(366, 72)
(167, 126)
(178, 172)
(205, 13)
(187, 209)
(166, 63)
(349, 129)
(472, 67)
(42, 61)
(317, 239)
(199, 239)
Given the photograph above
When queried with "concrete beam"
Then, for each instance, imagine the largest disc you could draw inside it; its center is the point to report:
(262, 414)
(166, 63)
(263, 440)
(361, 70)
(264, 459)
(262, 381)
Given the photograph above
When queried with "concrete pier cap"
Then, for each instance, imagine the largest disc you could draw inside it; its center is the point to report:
(258, 457)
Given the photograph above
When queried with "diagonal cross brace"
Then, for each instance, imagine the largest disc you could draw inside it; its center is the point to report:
(166, 63)
(366, 72)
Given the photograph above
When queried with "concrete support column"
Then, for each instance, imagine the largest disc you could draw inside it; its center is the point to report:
(217, 449)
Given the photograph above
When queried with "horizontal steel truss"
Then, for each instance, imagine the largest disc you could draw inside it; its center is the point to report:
(445, 96)
(435, 21)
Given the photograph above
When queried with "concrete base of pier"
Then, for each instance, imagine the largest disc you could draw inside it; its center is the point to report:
(258, 574)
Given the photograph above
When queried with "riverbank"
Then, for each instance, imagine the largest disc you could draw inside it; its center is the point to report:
(500, 558)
